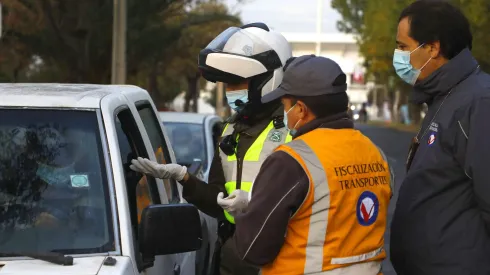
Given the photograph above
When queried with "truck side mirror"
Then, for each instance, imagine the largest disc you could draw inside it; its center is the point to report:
(169, 229)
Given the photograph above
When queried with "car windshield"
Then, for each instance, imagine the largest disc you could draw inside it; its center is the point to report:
(53, 183)
(188, 141)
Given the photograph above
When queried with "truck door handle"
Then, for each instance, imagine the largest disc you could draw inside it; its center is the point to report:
(176, 269)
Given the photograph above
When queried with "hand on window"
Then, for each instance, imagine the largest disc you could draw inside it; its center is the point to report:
(161, 171)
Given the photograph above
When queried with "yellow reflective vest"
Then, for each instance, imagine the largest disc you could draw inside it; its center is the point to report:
(262, 147)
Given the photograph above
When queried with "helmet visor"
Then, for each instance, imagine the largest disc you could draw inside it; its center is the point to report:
(238, 41)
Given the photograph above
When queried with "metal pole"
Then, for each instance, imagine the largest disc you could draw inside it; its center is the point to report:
(319, 14)
(118, 75)
(1, 20)
(219, 99)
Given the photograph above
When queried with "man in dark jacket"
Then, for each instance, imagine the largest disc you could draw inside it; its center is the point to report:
(442, 218)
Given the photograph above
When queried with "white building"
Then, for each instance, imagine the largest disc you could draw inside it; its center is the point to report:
(340, 47)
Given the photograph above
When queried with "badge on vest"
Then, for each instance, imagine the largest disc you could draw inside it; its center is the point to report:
(276, 136)
(367, 208)
(432, 139)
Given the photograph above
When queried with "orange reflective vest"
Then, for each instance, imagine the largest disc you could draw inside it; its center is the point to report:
(342, 220)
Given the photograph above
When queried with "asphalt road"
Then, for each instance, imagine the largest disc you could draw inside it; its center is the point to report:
(395, 145)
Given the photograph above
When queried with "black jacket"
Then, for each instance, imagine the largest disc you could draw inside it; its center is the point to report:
(441, 223)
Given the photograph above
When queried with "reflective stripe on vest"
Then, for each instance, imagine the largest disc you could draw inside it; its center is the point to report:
(261, 148)
(332, 229)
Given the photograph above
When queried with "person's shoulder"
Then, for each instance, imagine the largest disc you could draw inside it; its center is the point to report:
(477, 86)
(474, 90)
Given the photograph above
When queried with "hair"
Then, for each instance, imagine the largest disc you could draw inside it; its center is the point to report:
(438, 20)
(326, 105)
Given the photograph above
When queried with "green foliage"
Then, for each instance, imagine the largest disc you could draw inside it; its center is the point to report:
(352, 12)
(72, 40)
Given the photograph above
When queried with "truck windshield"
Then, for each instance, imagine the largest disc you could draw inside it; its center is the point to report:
(53, 183)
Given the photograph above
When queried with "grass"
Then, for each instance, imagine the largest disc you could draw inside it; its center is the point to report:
(398, 126)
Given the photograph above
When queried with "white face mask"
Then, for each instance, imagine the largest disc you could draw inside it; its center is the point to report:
(233, 96)
(285, 121)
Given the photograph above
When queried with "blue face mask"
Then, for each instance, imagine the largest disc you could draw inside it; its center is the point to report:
(233, 96)
(285, 120)
(403, 67)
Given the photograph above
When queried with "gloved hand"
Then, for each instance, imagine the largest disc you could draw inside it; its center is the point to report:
(161, 171)
(235, 203)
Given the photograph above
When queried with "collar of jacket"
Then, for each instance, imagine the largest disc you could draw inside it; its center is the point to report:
(259, 124)
(338, 121)
(445, 78)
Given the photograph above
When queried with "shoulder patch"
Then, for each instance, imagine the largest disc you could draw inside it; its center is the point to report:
(276, 136)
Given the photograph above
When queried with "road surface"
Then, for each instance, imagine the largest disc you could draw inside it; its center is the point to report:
(395, 144)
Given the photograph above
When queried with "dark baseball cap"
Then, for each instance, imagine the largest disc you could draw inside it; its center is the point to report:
(308, 75)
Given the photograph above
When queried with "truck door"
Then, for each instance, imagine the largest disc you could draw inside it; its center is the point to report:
(183, 263)
(142, 190)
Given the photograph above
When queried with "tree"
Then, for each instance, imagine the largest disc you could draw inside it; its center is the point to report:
(71, 41)
(477, 13)
(375, 23)
(194, 39)
(352, 12)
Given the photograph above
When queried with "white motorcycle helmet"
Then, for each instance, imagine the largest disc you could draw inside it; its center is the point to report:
(251, 52)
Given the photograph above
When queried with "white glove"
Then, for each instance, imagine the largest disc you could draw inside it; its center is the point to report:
(235, 203)
(161, 171)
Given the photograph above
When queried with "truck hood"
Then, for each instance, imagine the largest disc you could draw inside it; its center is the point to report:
(81, 266)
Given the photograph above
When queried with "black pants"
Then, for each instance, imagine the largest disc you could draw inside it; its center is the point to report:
(231, 264)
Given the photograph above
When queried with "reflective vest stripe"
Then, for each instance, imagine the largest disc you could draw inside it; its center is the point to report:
(358, 258)
(319, 217)
(261, 148)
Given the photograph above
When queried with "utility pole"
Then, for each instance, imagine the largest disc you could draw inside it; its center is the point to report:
(118, 75)
(319, 14)
(220, 87)
(1, 20)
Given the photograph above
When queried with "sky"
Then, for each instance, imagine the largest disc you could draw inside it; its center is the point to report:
(287, 15)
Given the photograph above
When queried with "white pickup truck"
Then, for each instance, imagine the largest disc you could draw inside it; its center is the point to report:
(69, 203)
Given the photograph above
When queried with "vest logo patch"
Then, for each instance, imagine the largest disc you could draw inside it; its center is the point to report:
(432, 139)
(276, 136)
(367, 208)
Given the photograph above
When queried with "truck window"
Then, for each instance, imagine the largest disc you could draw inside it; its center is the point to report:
(142, 190)
(152, 126)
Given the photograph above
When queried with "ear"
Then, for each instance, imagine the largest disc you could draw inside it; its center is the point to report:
(303, 110)
(435, 49)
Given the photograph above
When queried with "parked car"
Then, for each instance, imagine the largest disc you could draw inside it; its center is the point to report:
(194, 138)
(69, 203)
